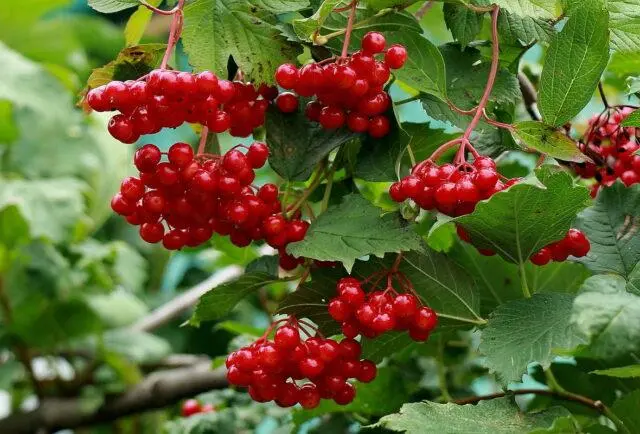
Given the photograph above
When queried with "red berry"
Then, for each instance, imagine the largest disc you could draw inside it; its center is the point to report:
(287, 102)
(121, 128)
(311, 367)
(308, 396)
(286, 338)
(345, 395)
(396, 192)
(167, 174)
(405, 306)
(287, 75)
(190, 407)
(425, 319)
(206, 83)
(339, 310)
(122, 206)
(146, 158)
(368, 371)
(541, 257)
(257, 155)
(332, 117)
(175, 239)
(268, 193)
(396, 56)
(152, 232)
(373, 43)
(485, 179)
(379, 126)
(350, 349)
(445, 194)
(180, 154)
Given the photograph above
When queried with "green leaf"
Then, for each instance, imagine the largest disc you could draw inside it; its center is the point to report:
(137, 24)
(8, 129)
(620, 372)
(117, 309)
(467, 73)
(547, 140)
(353, 229)
(130, 64)
(238, 328)
(528, 330)
(608, 224)
(52, 208)
(306, 27)
(378, 5)
(111, 6)
(606, 316)
(496, 416)
(624, 22)
(463, 23)
(62, 319)
(14, 229)
(219, 301)
(626, 408)
(245, 30)
(521, 220)
(633, 120)
(499, 281)
(524, 30)
(296, 145)
(382, 396)
(140, 347)
(264, 264)
(425, 68)
(573, 65)
(385, 345)
(545, 9)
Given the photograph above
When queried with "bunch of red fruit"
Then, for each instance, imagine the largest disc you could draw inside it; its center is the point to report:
(612, 148)
(165, 98)
(349, 91)
(192, 407)
(377, 312)
(186, 199)
(290, 371)
(452, 190)
(575, 243)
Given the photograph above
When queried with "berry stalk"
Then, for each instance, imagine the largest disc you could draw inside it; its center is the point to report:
(349, 29)
(174, 33)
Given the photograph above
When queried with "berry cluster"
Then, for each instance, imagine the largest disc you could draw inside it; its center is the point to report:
(348, 91)
(165, 98)
(377, 312)
(276, 370)
(575, 243)
(452, 190)
(191, 407)
(612, 148)
(186, 199)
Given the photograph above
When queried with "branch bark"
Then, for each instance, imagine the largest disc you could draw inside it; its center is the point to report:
(184, 301)
(530, 96)
(157, 390)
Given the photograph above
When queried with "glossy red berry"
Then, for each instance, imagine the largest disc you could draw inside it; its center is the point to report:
(287, 102)
(287, 76)
(190, 407)
(396, 56)
(373, 43)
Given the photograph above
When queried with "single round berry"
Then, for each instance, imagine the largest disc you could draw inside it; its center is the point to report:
(287, 75)
(257, 155)
(373, 43)
(286, 338)
(332, 117)
(396, 56)
(152, 232)
(541, 257)
(368, 371)
(180, 154)
(146, 158)
(190, 407)
(287, 102)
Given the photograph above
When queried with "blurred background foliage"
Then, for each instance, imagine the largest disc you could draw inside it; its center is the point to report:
(75, 279)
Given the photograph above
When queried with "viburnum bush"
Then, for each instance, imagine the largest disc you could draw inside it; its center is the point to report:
(389, 234)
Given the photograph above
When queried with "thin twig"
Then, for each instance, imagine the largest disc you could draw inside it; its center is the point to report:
(174, 33)
(530, 96)
(349, 29)
(422, 11)
(603, 97)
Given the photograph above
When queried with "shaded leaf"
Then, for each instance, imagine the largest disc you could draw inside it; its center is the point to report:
(353, 229)
(606, 317)
(626, 408)
(527, 330)
(620, 372)
(611, 225)
(463, 23)
(219, 301)
(633, 120)
(296, 144)
(306, 27)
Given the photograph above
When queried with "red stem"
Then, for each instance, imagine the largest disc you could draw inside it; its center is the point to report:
(444, 148)
(203, 140)
(174, 33)
(493, 72)
(156, 10)
(347, 34)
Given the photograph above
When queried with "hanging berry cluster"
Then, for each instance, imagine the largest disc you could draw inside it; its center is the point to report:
(378, 311)
(185, 200)
(349, 90)
(575, 243)
(452, 189)
(167, 99)
(290, 370)
(611, 146)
